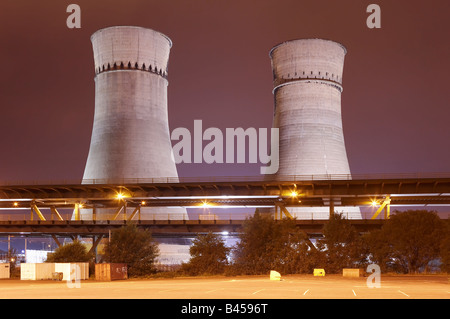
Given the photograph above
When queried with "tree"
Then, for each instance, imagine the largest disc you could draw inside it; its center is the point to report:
(208, 255)
(266, 244)
(13, 257)
(378, 250)
(341, 244)
(408, 241)
(135, 248)
(73, 252)
(445, 249)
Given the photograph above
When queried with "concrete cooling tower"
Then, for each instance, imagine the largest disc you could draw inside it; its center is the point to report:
(307, 95)
(130, 138)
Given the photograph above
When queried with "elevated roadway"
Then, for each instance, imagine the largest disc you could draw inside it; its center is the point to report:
(241, 192)
(158, 227)
(128, 196)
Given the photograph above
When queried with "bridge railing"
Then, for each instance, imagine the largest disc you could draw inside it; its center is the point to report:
(179, 217)
(217, 179)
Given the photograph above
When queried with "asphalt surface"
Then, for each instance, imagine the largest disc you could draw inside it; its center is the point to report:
(248, 287)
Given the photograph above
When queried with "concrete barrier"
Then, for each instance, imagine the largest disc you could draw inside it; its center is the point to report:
(352, 272)
(275, 275)
(319, 272)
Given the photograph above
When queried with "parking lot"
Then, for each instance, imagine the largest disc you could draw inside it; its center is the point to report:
(246, 287)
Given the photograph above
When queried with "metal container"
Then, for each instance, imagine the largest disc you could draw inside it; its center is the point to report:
(31, 271)
(5, 271)
(111, 271)
(73, 271)
(44, 271)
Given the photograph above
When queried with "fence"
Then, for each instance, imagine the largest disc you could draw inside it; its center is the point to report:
(255, 178)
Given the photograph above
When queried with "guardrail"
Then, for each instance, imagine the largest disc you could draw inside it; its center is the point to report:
(5, 217)
(157, 227)
(218, 179)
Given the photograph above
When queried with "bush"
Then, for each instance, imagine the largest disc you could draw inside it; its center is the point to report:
(445, 249)
(208, 256)
(73, 252)
(409, 241)
(135, 248)
(341, 245)
(267, 244)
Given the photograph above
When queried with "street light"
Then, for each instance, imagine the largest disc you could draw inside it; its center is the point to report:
(205, 204)
(120, 196)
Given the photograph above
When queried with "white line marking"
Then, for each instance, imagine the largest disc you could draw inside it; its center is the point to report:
(207, 292)
(167, 290)
(354, 292)
(305, 292)
(403, 293)
(257, 291)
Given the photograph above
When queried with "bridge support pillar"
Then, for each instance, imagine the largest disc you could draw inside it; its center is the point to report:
(56, 213)
(282, 209)
(35, 209)
(95, 242)
(386, 206)
(331, 207)
(56, 240)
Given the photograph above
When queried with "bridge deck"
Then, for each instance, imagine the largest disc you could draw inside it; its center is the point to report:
(245, 192)
(356, 192)
(158, 227)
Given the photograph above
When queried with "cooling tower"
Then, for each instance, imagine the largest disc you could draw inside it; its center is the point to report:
(130, 138)
(307, 95)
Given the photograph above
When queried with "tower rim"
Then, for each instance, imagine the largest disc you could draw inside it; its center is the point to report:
(131, 27)
(334, 84)
(306, 39)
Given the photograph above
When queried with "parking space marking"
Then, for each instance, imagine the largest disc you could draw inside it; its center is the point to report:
(209, 291)
(167, 290)
(295, 287)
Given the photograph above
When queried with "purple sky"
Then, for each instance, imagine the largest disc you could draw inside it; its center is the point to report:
(395, 104)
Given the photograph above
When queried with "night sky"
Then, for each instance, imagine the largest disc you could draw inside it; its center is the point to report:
(395, 103)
